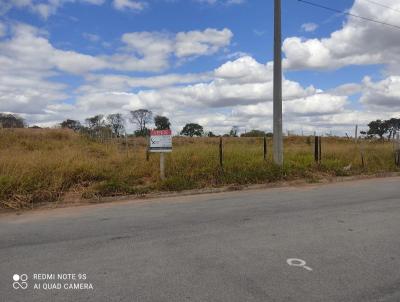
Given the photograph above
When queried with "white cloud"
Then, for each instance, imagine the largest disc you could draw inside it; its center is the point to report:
(129, 5)
(237, 83)
(239, 92)
(44, 8)
(152, 51)
(309, 27)
(111, 82)
(317, 104)
(194, 43)
(144, 51)
(381, 95)
(233, 2)
(224, 2)
(346, 89)
(3, 29)
(245, 70)
(357, 43)
(28, 60)
(242, 88)
(259, 33)
(91, 37)
(29, 50)
(28, 95)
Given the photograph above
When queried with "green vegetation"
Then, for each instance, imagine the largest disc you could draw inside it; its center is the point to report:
(44, 165)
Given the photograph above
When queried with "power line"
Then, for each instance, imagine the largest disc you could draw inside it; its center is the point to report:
(383, 5)
(349, 14)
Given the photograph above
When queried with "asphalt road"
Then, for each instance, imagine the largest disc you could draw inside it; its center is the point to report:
(222, 247)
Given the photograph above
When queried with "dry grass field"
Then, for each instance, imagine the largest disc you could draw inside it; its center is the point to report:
(44, 165)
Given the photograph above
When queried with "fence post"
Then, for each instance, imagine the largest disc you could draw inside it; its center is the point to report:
(148, 149)
(397, 150)
(316, 148)
(126, 145)
(265, 148)
(362, 154)
(220, 153)
(320, 149)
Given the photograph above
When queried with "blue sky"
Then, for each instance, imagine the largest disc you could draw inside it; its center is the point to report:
(207, 61)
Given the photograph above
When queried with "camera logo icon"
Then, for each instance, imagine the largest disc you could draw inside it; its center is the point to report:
(20, 281)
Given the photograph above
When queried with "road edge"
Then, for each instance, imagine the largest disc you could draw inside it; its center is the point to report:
(224, 189)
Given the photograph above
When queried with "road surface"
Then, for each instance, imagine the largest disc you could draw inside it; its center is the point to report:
(217, 247)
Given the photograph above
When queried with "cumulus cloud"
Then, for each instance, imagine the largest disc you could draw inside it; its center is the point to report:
(29, 50)
(3, 29)
(346, 89)
(28, 95)
(47, 8)
(194, 43)
(29, 47)
(317, 104)
(383, 95)
(28, 61)
(112, 82)
(129, 5)
(240, 86)
(356, 43)
(44, 8)
(152, 51)
(238, 92)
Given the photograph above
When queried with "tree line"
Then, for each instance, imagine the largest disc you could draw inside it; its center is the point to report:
(11, 121)
(116, 124)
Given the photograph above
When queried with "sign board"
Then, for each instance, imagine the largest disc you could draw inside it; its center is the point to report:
(160, 141)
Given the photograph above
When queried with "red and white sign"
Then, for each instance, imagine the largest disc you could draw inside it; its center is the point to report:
(160, 141)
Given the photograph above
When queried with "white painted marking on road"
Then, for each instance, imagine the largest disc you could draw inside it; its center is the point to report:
(298, 263)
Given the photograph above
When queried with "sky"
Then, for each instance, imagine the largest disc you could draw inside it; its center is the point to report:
(202, 61)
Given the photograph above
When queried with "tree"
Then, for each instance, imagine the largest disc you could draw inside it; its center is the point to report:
(393, 126)
(378, 127)
(71, 124)
(234, 131)
(192, 129)
(11, 121)
(95, 122)
(144, 132)
(117, 123)
(162, 122)
(211, 134)
(141, 117)
(254, 133)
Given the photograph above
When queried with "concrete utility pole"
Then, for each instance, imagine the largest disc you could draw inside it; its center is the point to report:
(278, 135)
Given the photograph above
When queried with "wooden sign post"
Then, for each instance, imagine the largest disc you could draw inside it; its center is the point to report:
(161, 142)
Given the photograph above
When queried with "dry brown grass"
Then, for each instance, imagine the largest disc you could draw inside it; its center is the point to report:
(42, 165)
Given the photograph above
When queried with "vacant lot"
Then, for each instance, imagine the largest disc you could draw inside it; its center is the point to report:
(44, 165)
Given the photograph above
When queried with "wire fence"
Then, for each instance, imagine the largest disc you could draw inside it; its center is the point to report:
(358, 151)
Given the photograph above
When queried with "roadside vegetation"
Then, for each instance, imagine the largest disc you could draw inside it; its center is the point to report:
(42, 165)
